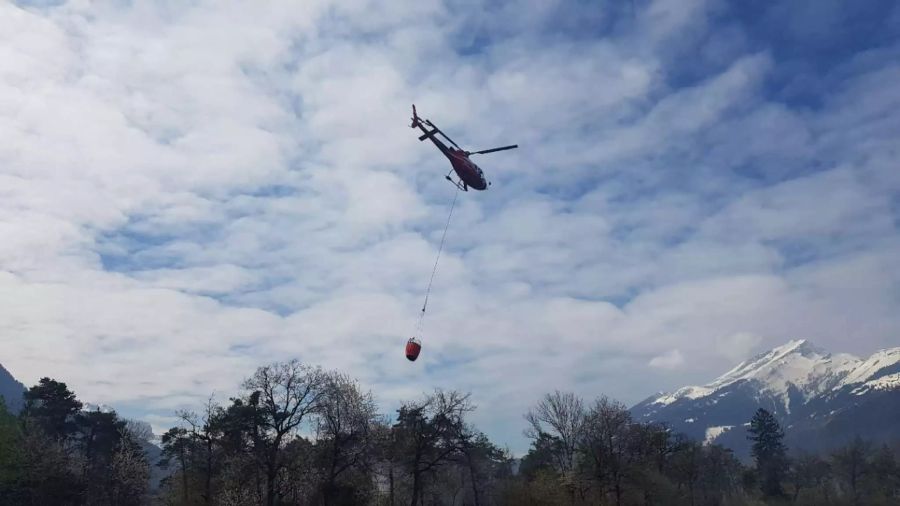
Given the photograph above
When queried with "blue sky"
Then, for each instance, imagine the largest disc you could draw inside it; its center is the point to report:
(187, 195)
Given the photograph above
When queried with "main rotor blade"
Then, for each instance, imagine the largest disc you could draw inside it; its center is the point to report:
(449, 139)
(438, 130)
(513, 146)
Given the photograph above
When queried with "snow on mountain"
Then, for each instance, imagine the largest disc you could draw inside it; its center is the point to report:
(866, 369)
(820, 398)
(713, 432)
(887, 382)
(810, 370)
(103, 408)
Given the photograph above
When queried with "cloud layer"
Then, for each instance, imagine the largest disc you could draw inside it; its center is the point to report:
(186, 195)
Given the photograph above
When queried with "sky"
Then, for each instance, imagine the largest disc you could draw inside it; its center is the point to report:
(190, 190)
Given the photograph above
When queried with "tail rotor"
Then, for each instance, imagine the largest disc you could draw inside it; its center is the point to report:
(415, 118)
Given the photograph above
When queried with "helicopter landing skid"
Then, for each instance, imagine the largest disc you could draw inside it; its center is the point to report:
(461, 186)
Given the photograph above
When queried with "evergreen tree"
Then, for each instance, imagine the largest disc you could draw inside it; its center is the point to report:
(53, 407)
(541, 456)
(769, 452)
(177, 454)
(74, 457)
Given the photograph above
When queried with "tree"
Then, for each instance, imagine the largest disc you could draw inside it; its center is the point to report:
(52, 407)
(719, 474)
(561, 415)
(345, 432)
(49, 475)
(287, 393)
(769, 452)
(541, 457)
(177, 449)
(486, 463)
(98, 438)
(204, 434)
(430, 434)
(686, 466)
(649, 449)
(605, 440)
(139, 430)
(809, 474)
(885, 474)
(242, 443)
(850, 464)
(75, 456)
(128, 472)
(12, 457)
(53, 472)
(387, 458)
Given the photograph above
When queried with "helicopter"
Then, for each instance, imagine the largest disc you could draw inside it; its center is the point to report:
(469, 174)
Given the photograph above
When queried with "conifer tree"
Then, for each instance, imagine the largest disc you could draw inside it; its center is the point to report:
(53, 407)
(769, 452)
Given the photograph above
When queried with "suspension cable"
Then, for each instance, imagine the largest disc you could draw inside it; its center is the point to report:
(436, 260)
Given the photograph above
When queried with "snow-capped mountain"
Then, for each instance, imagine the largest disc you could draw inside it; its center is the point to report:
(815, 393)
(103, 408)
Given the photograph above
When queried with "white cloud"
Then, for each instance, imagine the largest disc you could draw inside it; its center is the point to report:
(738, 346)
(672, 359)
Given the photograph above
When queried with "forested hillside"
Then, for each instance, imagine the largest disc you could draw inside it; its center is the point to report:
(300, 435)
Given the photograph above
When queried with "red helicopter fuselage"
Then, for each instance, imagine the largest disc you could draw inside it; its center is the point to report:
(469, 174)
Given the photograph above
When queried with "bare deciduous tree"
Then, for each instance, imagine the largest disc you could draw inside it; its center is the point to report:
(345, 429)
(129, 471)
(432, 433)
(204, 434)
(561, 415)
(288, 393)
(605, 439)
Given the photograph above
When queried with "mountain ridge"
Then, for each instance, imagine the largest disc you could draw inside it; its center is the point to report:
(811, 391)
(11, 390)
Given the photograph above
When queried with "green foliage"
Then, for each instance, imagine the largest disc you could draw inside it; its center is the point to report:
(52, 407)
(769, 453)
(540, 457)
(54, 453)
(11, 456)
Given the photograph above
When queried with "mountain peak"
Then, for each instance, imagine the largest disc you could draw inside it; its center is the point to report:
(801, 346)
(797, 364)
(804, 385)
(11, 390)
(792, 345)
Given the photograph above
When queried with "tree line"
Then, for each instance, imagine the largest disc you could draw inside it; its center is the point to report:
(300, 435)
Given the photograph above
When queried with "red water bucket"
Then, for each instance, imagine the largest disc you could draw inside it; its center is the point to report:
(413, 347)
